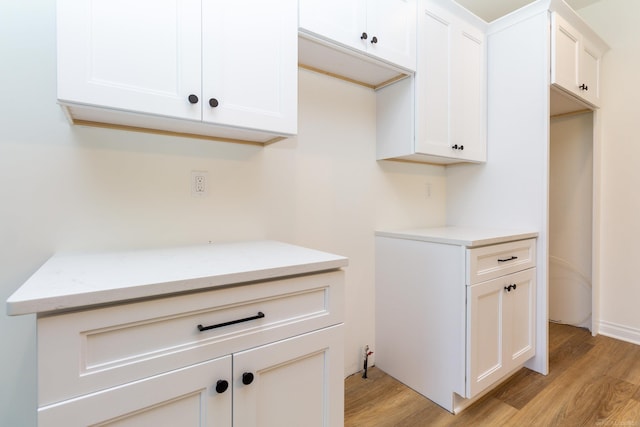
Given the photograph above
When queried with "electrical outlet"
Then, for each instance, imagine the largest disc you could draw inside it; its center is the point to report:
(199, 183)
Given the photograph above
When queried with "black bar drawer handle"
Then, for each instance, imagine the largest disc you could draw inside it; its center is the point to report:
(260, 315)
(507, 259)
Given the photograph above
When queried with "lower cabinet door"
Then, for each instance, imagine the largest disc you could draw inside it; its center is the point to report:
(521, 315)
(291, 383)
(485, 334)
(185, 397)
(500, 328)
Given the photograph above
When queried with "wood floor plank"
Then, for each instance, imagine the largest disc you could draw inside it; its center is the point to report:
(626, 366)
(593, 381)
(627, 415)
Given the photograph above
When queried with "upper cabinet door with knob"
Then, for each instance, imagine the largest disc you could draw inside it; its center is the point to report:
(250, 64)
(227, 63)
(575, 62)
(114, 54)
(381, 28)
(451, 85)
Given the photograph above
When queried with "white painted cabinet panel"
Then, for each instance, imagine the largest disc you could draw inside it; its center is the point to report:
(441, 332)
(293, 382)
(446, 102)
(250, 66)
(185, 397)
(260, 342)
(575, 61)
(111, 54)
(221, 66)
(384, 29)
(501, 328)
(393, 25)
(336, 20)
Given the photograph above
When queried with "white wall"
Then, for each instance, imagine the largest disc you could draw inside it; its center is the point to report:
(570, 219)
(66, 188)
(617, 23)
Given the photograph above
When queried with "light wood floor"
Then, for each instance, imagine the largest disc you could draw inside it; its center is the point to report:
(593, 381)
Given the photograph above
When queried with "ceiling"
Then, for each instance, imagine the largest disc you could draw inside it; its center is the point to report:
(493, 9)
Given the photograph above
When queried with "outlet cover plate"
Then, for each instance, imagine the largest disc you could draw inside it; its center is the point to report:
(199, 183)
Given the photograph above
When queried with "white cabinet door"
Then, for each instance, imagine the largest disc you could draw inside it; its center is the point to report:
(521, 344)
(391, 27)
(590, 60)
(385, 29)
(450, 87)
(575, 62)
(336, 20)
(485, 334)
(250, 64)
(230, 63)
(565, 51)
(500, 328)
(184, 397)
(141, 55)
(291, 383)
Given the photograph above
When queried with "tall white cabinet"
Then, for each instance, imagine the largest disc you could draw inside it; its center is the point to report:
(226, 69)
(220, 335)
(512, 188)
(455, 309)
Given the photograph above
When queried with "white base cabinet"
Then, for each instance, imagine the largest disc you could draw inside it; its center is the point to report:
(287, 383)
(239, 334)
(454, 317)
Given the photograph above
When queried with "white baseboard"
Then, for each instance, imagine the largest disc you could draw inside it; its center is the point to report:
(620, 332)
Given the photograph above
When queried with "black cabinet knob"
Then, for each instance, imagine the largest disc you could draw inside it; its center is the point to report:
(364, 36)
(507, 288)
(247, 378)
(213, 103)
(514, 286)
(193, 99)
(374, 40)
(222, 386)
(584, 87)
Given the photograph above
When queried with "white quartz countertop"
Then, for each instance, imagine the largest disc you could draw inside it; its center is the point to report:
(462, 236)
(70, 281)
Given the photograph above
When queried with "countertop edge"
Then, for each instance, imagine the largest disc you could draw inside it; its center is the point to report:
(436, 235)
(21, 303)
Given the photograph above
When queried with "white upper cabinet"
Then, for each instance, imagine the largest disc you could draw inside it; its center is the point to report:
(440, 116)
(228, 68)
(391, 31)
(380, 34)
(575, 61)
(335, 20)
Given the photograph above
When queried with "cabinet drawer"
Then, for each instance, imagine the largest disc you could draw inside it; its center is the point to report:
(85, 351)
(493, 261)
